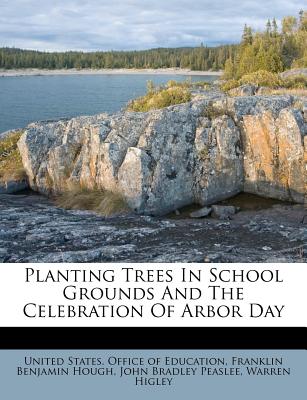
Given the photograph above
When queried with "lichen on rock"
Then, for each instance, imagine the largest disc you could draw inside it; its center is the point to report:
(164, 159)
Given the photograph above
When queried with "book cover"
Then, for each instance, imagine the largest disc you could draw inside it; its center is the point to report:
(153, 191)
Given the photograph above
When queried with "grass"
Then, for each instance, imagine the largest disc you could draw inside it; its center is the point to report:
(296, 84)
(102, 202)
(231, 84)
(211, 111)
(188, 84)
(262, 78)
(170, 94)
(11, 168)
(281, 91)
(160, 99)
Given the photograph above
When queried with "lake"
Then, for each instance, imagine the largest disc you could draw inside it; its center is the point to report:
(25, 99)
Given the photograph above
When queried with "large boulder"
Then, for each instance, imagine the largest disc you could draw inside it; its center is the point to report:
(244, 90)
(200, 152)
(273, 132)
(274, 159)
(159, 161)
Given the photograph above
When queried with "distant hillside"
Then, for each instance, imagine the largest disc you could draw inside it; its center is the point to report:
(199, 58)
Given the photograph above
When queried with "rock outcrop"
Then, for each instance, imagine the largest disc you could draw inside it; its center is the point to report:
(273, 135)
(13, 186)
(244, 90)
(32, 229)
(199, 152)
(294, 72)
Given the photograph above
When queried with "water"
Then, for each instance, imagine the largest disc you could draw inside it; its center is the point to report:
(33, 98)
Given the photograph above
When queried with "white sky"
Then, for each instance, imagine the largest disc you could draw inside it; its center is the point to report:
(132, 24)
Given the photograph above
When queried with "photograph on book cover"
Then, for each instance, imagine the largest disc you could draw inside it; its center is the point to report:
(153, 174)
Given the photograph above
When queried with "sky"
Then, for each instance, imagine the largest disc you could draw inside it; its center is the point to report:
(58, 25)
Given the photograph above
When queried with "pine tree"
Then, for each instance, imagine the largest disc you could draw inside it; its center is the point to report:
(274, 28)
(288, 25)
(247, 36)
(268, 28)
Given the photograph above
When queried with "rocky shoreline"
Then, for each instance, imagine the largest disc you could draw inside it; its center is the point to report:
(110, 71)
(199, 153)
(34, 230)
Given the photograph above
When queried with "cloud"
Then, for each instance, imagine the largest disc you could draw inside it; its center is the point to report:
(132, 24)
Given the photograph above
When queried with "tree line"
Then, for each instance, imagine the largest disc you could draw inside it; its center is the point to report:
(275, 49)
(200, 58)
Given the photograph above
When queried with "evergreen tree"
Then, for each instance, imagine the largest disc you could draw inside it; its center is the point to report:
(247, 36)
(268, 28)
(288, 25)
(274, 28)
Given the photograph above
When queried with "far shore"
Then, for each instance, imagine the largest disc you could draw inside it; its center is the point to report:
(122, 71)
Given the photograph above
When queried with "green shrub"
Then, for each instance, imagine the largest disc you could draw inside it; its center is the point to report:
(231, 84)
(295, 82)
(201, 84)
(11, 167)
(188, 84)
(150, 86)
(301, 62)
(262, 78)
(172, 93)
(172, 83)
(161, 98)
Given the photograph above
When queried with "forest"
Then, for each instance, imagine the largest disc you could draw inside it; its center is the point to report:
(275, 49)
(201, 58)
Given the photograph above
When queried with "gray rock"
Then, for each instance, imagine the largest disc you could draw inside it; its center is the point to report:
(159, 161)
(165, 159)
(274, 151)
(294, 72)
(262, 90)
(55, 235)
(202, 212)
(91, 255)
(223, 212)
(214, 258)
(13, 186)
(266, 248)
(3, 254)
(244, 90)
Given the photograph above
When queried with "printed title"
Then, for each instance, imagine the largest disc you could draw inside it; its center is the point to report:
(156, 293)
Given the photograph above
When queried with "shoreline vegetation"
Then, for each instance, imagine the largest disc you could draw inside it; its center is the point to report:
(220, 141)
(262, 57)
(277, 48)
(106, 71)
(200, 58)
(11, 167)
